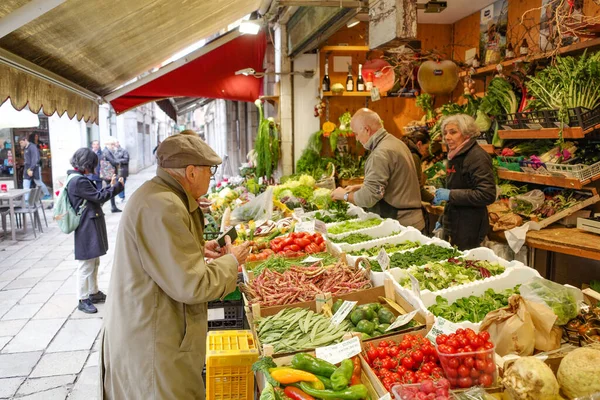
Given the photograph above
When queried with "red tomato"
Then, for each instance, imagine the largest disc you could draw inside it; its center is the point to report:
(381, 352)
(469, 349)
(395, 376)
(407, 362)
(480, 365)
(302, 242)
(312, 248)
(294, 247)
(463, 341)
(484, 335)
(409, 377)
(463, 371)
(417, 357)
(453, 362)
(476, 342)
(287, 241)
(441, 339)
(490, 367)
(384, 343)
(427, 368)
(322, 246)
(486, 380)
(371, 353)
(452, 342)
(318, 239)
(469, 362)
(475, 373)
(388, 363)
(465, 382)
(405, 345)
(488, 346)
(393, 351)
(452, 373)
(460, 331)
(451, 350)
(428, 350)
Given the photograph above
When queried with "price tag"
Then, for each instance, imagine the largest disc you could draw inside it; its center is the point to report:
(402, 320)
(441, 326)
(383, 259)
(416, 288)
(386, 396)
(311, 259)
(299, 211)
(375, 94)
(308, 226)
(216, 314)
(343, 312)
(320, 227)
(339, 352)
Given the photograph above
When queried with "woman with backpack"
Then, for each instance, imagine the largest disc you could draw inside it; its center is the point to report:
(91, 240)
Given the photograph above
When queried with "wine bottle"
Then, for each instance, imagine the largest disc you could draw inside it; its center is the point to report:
(350, 80)
(360, 83)
(524, 48)
(510, 52)
(326, 85)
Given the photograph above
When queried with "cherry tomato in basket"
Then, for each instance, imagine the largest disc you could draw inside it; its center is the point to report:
(393, 351)
(464, 371)
(381, 352)
(484, 335)
(371, 352)
(384, 343)
(490, 367)
(475, 373)
(469, 362)
(465, 382)
(407, 362)
(417, 357)
(441, 339)
(452, 373)
(486, 380)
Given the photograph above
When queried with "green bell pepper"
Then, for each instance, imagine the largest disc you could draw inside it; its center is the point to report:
(311, 364)
(342, 375)
(355, 392)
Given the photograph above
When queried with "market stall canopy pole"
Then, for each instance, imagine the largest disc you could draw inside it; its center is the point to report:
(210, 76)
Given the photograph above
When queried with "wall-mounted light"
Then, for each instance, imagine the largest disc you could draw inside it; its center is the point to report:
(250, 27)
(309, 73)
(352, 22)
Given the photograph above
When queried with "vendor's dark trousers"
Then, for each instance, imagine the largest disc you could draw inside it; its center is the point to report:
(122, 194)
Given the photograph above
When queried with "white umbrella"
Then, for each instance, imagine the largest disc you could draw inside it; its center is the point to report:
(11, 118)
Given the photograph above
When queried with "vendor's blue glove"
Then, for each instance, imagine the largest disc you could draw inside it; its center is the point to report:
(438, 225)
(441, 195)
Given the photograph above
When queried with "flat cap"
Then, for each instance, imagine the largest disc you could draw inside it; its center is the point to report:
(185, 148)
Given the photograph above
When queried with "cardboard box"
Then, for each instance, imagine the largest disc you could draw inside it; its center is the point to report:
(362, 297)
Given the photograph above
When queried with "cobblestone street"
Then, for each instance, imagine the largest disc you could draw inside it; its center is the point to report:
(48, 348)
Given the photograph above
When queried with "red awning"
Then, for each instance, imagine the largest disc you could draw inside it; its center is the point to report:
(211, 76)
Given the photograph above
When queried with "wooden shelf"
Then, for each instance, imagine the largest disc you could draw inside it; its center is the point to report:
(574, 48)
(544, 133)
(547, 180)
(326, 49)
(351, 94)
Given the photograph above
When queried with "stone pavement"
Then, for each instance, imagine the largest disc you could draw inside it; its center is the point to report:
(48, 348)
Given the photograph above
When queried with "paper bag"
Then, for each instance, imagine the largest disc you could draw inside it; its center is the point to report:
(547, 335)
(511, 328)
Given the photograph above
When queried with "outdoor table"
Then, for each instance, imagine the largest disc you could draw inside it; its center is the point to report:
(11, 196)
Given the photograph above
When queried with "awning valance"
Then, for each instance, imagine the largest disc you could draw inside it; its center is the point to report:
(210, 76)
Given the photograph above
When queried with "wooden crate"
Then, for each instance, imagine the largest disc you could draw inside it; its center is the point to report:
(362, 297)
(569, 211)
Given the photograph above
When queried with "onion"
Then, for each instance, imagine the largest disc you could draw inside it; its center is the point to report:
(529, 378)
(579, 372)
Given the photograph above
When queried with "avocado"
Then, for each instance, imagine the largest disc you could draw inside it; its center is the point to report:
(385, 316)
(356, 316)
(366, 327)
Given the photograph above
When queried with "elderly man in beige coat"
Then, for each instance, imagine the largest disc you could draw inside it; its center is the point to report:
(391, 187)
(153, 343)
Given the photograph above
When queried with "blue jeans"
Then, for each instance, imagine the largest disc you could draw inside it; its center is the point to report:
(38, 183)
(122, 194)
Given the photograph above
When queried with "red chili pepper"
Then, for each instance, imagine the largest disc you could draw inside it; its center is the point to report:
(296, 394)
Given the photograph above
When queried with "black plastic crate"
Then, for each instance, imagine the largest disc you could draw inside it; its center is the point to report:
(233, 315)
(536, 119)
(509, 121)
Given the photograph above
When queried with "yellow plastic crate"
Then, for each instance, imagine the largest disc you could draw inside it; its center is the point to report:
(229, 359)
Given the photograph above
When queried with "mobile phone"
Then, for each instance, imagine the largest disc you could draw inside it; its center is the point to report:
(232, 233)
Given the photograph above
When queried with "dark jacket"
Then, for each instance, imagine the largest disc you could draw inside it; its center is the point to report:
(96, 175)
(108, 155)
(91, 240)
(470, 178)
(414, 150)
(122, 157)
(31, 156)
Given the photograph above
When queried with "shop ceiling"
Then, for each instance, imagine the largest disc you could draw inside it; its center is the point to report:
(456, 10)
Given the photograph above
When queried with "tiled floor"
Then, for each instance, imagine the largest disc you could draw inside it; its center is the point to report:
(48, 349)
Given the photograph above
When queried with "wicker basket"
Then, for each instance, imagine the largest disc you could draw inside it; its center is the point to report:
(329, 182)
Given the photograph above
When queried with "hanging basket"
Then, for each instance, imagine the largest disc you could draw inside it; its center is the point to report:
(329, 182)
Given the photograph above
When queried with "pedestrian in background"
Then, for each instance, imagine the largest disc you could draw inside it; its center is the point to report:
(109, 167)
(95, 176)
(91, 240)
(31, 167)
(122, 156)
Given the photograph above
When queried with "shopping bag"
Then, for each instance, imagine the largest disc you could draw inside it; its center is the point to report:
(106, 170)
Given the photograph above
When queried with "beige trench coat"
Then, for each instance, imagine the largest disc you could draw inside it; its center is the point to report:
(154, 338)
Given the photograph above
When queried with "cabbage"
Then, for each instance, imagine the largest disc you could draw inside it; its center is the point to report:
(322, 198)
(307, 180)
(483, 122)
(579, 372)
(529, 378)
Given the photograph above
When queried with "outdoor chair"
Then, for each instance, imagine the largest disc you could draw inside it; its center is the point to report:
(31, 209)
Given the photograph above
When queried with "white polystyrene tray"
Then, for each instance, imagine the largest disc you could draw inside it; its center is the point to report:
(386, 228)
(508, 280)
(480, 253)
(409, 234)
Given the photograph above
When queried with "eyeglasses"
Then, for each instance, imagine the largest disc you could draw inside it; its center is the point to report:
(213, 170)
